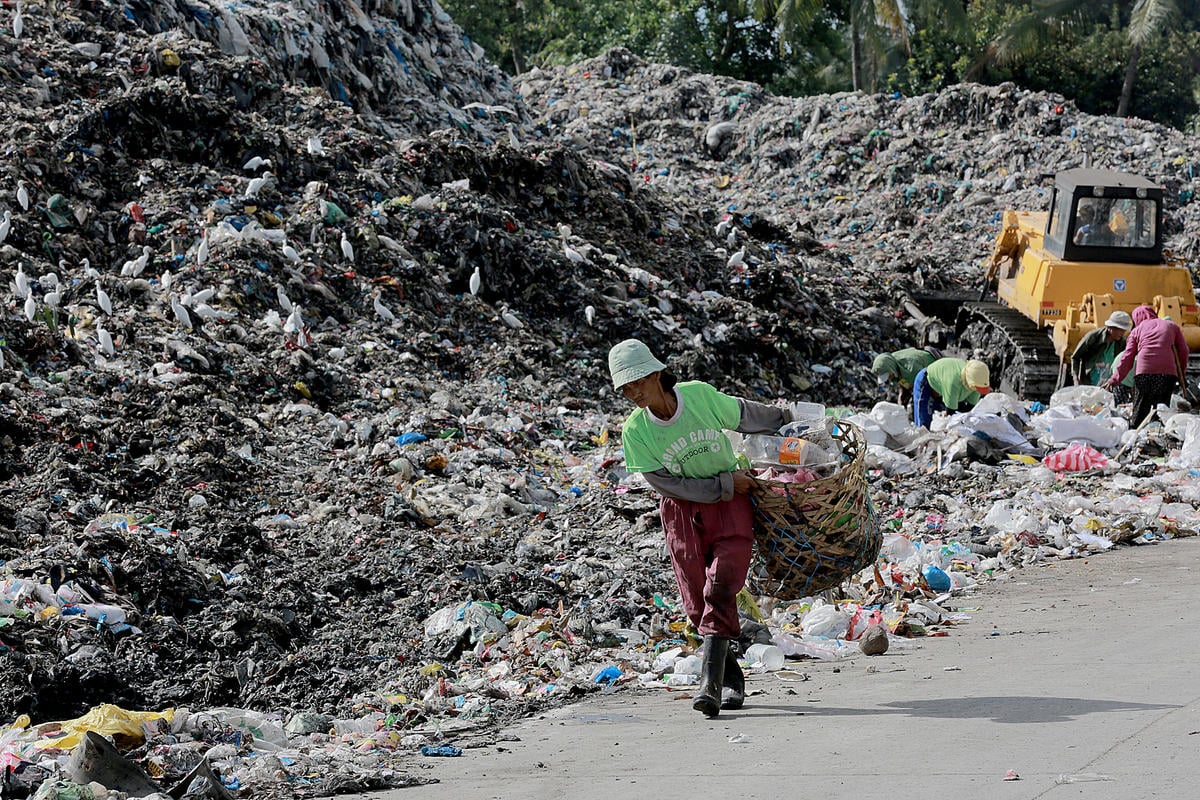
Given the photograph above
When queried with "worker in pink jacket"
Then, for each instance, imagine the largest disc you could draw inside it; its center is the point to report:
(1161, 354)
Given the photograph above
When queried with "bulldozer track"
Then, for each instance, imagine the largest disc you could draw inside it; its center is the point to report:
(1019, 354)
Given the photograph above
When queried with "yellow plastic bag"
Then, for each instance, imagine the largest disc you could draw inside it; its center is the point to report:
(105, 719)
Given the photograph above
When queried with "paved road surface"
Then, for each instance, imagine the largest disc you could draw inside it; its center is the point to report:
(1081, 676)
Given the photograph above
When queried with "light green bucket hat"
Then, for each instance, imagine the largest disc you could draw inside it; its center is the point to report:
(631, 360)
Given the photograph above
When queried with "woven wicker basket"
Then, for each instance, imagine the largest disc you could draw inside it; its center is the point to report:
(812, 536)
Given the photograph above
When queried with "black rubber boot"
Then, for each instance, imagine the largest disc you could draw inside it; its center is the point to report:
(733, 693)
(712, 676)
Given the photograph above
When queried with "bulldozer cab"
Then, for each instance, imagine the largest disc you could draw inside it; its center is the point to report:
(1105, 216)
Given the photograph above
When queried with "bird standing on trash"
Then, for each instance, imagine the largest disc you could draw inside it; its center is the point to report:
(181, 313)
(22, 196)
(475, 282)
(21, 281)
(511, 320)
(202, 250)
(255, 163)
(676, 438)
(105, 340)
(256, 184)
(738, 259)
(5, 225)
(383, 311)
(103, 300)
(30, 306)
(290, 253)
(589, 313)
(347, 248)
(284, 301)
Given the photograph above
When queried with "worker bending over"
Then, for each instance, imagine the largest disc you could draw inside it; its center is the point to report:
(1092, 361)
(948, 384)
(902, 367)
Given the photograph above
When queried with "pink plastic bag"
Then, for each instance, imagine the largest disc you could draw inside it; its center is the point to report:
(1075, 458)
(863, 618)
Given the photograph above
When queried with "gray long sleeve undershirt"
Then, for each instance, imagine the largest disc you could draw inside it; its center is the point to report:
(755, 418)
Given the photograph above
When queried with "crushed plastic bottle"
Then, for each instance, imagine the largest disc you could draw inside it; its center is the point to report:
(790, 451)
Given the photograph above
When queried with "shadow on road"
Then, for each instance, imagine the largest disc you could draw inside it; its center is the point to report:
(1020, 710)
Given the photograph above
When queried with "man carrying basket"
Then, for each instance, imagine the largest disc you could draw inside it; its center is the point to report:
(676, 438)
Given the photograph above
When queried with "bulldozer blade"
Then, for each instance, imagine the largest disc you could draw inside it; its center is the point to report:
(213, 788)
(96, 759)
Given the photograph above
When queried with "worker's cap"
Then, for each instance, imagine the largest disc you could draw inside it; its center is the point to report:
(1120, 320)
(976, 376)
(631, 360)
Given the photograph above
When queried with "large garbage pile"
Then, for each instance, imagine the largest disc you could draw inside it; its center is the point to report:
(910, 188)
(306, 428)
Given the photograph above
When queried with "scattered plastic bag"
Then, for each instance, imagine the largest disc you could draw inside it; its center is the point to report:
(826, 620)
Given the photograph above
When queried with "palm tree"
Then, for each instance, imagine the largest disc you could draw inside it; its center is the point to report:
(1048, 20)
(871, 25)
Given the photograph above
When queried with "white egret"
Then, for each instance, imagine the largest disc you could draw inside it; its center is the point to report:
(290, 253)
(106, 342)
(731, 239)
(5, 225)
(18, 23)
(347, 248)
(204, 295)
(181, 313)
(89, 270)
(738, 259)
(103, 300)
(284, 301)
(52, 298)
(722, 228)
(22, 281)
(255, 163)
(30, 306)
(256, 184)
(383, 311)
(475, 281)
(510, 319)
(202, 250)
(22, 195)
(589, 313)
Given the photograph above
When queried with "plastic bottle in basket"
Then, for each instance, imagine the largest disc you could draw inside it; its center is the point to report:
(788, 451)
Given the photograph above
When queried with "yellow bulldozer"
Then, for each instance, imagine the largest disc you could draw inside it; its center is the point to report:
(1058, 274)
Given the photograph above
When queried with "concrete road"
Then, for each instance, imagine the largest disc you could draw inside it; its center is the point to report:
(1079, 676)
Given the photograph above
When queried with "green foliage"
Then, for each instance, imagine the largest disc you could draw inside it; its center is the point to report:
(1083, 49)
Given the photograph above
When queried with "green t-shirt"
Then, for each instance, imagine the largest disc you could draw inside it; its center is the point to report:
(945, 377)
(693, 443)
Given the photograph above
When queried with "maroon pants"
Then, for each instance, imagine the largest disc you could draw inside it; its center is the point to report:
(710, 547)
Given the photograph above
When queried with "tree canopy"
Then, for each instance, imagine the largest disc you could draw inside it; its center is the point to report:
(1122, 57)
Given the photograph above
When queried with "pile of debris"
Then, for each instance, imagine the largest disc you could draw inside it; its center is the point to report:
(307, 432)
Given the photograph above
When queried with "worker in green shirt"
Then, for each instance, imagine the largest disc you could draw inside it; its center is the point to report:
(1092, 361)
(948, 384)
(902, 367)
